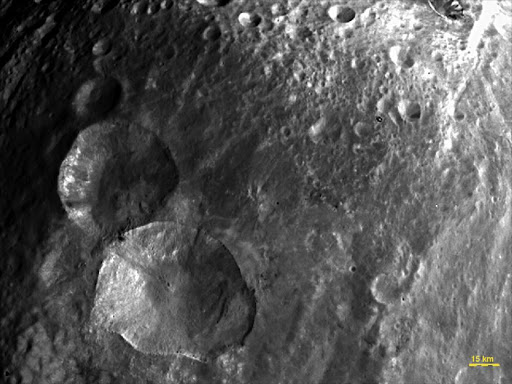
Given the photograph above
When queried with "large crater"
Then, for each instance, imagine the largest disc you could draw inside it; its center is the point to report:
(115, 176)
(167, 288)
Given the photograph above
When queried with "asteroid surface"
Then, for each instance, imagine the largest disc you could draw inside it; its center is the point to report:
(342, 167)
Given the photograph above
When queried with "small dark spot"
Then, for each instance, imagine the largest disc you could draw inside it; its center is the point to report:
(415, 115)
(304, 32)
(413, 111)
(382, 350)
(168, 52)
(408, 62)
(121, 238)
(459, 116)
(379, 119)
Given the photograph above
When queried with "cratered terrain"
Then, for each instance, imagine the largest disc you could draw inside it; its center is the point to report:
(256, 192)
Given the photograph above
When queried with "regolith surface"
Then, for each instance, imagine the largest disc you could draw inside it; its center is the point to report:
(256, 192)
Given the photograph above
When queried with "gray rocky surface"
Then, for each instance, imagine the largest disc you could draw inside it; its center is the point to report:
(354, 174)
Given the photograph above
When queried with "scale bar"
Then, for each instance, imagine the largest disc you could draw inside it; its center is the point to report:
(484, 365)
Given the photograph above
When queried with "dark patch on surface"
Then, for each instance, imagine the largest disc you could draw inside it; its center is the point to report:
(131, 189)
(223, 184)
(295, 319)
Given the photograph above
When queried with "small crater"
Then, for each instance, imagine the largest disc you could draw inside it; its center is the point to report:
(97, 97)
(362, 129)
(152, 9)
(459, 116)
(341, 14)
(213, 3)
(249, 19)
(453, 10)
(401, 57)
(285, 135)
(408, 62)
(409, 110)
(212, 33)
